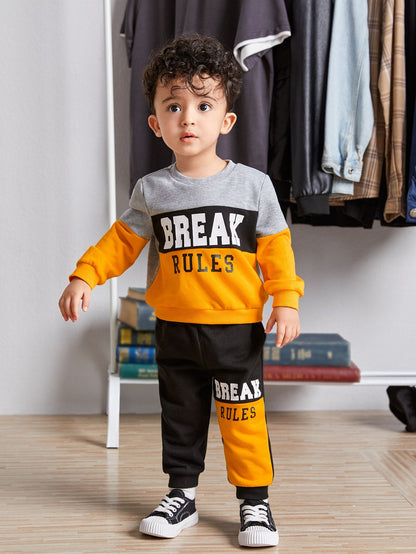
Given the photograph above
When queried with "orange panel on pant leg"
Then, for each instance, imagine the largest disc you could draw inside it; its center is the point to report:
(246, 443)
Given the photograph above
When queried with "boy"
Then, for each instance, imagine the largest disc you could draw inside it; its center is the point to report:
(210, 224)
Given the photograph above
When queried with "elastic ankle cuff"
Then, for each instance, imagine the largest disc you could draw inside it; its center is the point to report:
(183, 482)
(252, 493)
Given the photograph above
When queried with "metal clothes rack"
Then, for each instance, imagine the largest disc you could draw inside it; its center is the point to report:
(113, 395)
(114, 381)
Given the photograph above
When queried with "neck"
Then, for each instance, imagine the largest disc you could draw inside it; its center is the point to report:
(197, 168)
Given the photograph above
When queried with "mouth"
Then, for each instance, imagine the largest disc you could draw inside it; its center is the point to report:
(188, 137)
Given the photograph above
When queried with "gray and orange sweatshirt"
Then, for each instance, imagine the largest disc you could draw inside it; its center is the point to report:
(219, 246)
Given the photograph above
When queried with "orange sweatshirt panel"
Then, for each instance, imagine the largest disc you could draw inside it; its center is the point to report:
(277, 262)
(115, 252)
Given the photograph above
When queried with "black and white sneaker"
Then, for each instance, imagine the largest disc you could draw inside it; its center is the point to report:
(257, 525)
(174, 513)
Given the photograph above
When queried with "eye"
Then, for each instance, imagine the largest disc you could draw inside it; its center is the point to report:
(204, 107)
(174, 108)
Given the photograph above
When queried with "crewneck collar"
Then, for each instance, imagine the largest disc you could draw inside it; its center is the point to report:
(178, 176)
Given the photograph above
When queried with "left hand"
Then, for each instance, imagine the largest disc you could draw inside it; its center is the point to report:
(288, 325)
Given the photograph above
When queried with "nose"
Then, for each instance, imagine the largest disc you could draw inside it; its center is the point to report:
(188, 118)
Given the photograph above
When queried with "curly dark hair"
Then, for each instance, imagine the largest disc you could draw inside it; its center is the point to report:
(189, 56)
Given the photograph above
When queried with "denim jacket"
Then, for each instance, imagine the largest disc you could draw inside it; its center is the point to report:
(349, 111)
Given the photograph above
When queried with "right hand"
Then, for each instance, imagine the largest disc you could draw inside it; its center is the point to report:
(77, 291)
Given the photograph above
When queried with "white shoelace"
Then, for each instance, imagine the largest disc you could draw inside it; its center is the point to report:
(170, 505)
(256, 513)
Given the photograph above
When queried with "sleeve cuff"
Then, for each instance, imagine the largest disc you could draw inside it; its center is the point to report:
(288, 299)
(87, 273)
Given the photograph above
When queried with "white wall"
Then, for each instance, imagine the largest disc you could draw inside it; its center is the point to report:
(359, 283)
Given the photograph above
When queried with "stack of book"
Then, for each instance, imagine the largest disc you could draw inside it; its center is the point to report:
(310, 357)
(136, 358)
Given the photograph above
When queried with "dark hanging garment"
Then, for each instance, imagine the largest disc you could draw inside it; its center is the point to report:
(251, 29)
(410, 54)
(411, 193)
(280, 155)
(410, 50)
(309, 53)
(262, 25)
(147, 26)
(355, 213)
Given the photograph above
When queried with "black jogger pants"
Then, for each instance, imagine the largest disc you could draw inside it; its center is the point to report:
(196, 361)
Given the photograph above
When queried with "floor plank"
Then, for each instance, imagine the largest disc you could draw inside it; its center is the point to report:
(399, 468)
(345, 483)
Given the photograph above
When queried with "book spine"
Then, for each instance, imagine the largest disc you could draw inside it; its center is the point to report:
(332, 374)
(312, 355)
(137, 314)
(146, 319)
(136, 354)
(137, 371)
(128, 336)
(137, 293)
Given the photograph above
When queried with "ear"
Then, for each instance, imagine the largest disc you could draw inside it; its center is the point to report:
(154, 125)
(228, 123)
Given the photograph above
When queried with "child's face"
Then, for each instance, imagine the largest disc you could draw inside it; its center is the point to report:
(189, 123)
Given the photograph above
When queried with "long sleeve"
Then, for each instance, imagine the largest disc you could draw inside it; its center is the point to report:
(277, 263)
(392, 88)
(311, 31)
(274, 251)
(349, 111)
(115, 252)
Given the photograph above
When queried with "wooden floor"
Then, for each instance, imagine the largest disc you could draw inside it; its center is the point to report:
(345, 482)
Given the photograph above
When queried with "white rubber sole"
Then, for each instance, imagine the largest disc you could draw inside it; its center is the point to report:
(258, 537)
(158, 526)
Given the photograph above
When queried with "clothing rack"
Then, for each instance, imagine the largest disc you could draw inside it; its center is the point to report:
(114, 381)
(113, 398)
(111, 168)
